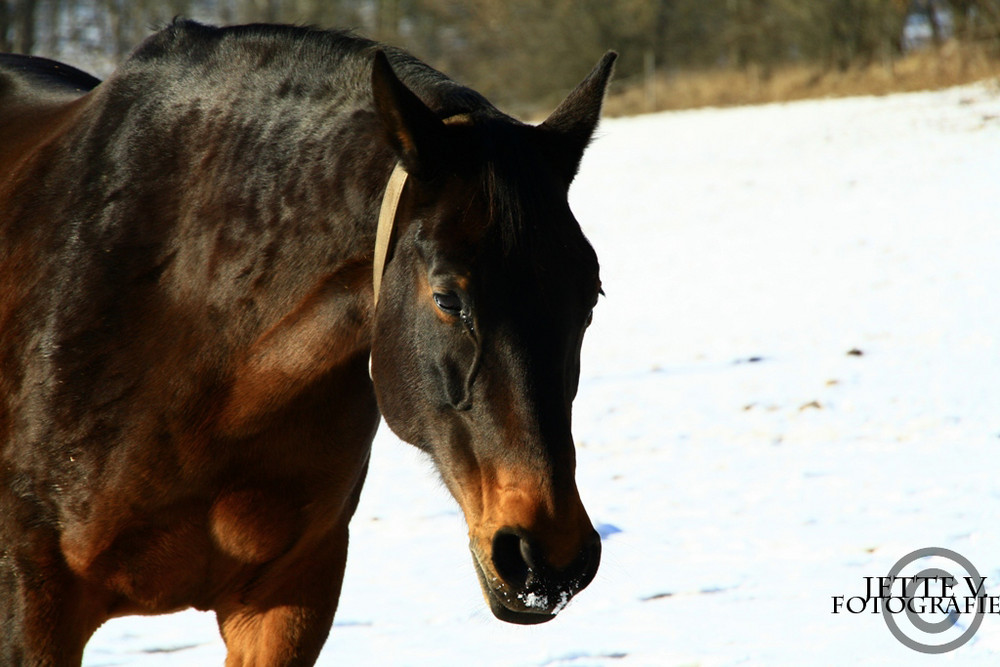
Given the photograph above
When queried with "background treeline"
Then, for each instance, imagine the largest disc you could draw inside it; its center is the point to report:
(523, 53)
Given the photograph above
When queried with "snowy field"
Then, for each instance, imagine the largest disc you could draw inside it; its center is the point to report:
(794, 381)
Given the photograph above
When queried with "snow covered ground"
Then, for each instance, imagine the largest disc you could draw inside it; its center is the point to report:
(742, 464)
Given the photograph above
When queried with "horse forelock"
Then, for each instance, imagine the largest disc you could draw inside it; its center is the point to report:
(529, 219)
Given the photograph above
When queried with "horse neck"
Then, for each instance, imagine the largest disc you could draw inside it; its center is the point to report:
(301, 194)
(251, 210)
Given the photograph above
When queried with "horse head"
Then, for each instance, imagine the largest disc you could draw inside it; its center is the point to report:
(488, 290)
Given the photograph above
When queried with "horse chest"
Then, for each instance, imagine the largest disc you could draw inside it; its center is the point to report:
(254, 526)
(206, 537)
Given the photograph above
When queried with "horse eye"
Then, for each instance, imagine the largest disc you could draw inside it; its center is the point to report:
(448, 302)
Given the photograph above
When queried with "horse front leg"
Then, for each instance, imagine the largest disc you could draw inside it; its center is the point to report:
(46, 613)
(286, 617)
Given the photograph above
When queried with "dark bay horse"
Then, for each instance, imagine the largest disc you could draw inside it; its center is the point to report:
(188, 314)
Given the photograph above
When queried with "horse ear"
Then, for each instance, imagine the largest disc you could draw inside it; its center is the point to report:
(572, 123)
(411, 128)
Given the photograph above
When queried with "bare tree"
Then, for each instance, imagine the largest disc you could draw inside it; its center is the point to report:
(22, 21)
(5, 42)
(527, 52)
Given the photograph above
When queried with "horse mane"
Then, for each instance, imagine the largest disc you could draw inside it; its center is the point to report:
(271, 51)
(305, 61)
(46, 73)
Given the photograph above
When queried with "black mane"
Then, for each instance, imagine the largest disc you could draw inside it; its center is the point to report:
(48, 73)
(272, 65)
(295, 60)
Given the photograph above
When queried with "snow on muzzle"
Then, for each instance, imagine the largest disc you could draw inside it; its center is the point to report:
(519, 582)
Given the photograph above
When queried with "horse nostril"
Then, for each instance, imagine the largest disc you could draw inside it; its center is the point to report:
(512, 558)
(524, 570)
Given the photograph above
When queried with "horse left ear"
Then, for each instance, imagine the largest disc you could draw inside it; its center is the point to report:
(572, 123)
(411, 128)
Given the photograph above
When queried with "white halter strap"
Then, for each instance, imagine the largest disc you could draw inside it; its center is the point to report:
(383, 234)
(386, 221)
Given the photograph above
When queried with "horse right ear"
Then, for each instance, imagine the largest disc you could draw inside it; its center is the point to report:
(571, 125)
(411, 128)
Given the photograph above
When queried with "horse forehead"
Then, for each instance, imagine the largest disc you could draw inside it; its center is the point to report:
(502, 206)
(532, 239)
(547, 247)
(485, 219)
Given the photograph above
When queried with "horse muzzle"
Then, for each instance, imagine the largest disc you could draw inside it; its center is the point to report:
(521, 587)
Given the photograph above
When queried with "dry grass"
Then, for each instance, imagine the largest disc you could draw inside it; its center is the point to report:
(952, 64)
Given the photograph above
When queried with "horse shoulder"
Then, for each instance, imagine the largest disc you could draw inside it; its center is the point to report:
(324, 330)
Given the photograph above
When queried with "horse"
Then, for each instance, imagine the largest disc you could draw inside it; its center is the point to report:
(219, 269)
